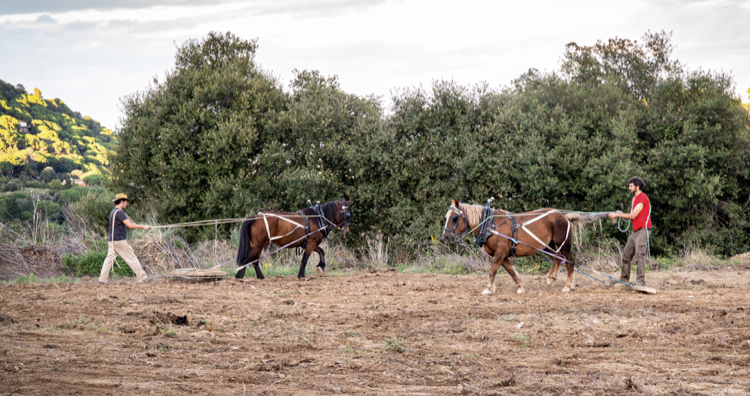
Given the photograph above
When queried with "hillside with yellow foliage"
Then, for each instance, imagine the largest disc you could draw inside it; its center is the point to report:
(43, 139)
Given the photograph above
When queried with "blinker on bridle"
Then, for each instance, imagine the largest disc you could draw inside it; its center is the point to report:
(460, 213)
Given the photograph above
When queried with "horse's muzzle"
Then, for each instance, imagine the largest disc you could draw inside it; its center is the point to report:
(446, 238)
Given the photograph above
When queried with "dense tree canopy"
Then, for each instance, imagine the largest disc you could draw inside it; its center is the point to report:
(219, 137)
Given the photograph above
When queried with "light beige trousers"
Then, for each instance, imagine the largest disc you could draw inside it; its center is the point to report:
(126, 252)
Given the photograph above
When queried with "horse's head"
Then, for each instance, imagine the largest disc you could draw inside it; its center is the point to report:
(343, 216)
(455, 222)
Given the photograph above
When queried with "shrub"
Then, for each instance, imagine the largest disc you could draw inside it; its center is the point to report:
(67, 197)
(94, 208)
(48, 174)
(91, 264)
(96, 180)
(11, 185)
(55, 185)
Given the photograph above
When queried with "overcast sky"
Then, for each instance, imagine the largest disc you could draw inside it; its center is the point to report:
(90, 53)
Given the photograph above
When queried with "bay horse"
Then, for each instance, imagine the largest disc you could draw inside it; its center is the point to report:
(306, 228)
(543, 229)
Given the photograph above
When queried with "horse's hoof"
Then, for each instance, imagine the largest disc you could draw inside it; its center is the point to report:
(549, 281)
(486, 292)
(521, 290)
(566, 289)
(320, 271)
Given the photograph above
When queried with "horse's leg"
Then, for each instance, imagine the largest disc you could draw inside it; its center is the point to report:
(552, 274)
(255, 252)
(255, 256)
(496, 260)
(311, 246)
(322, 265)
(302, 265)
(570, 285)
(508, 265)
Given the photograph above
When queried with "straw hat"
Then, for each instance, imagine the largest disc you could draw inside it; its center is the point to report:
(120, 196)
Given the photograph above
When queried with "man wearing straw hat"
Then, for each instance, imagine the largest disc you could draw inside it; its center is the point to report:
(116, 230)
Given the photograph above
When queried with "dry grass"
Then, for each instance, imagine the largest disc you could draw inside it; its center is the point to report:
(163, 251)
(35, 249)
(375, 252)
(697, 259)
(604, 256)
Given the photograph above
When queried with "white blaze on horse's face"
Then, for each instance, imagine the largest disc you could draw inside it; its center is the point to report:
(447, 235)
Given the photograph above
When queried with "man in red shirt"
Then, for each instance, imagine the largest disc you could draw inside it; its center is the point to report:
(640, 213)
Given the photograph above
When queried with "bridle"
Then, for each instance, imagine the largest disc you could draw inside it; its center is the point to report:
(462, 215)
(347, 216)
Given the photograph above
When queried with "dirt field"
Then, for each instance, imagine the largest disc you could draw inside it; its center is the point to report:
(377, 333)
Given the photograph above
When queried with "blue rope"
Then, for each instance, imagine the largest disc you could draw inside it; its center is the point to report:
(627, 227)
(592, 277)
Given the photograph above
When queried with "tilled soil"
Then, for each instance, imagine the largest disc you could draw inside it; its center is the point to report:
(377, 333)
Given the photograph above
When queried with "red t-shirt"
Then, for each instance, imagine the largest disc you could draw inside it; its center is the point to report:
(644, 218)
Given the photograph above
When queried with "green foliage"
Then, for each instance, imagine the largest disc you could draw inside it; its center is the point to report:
(56, 137)
(10, 186)
(394, 345)
(32, 278)
(91, 264)
(94, 207)
(97, 180)
(69, 196)
(570, 139)
(48, 174)
(22, 204)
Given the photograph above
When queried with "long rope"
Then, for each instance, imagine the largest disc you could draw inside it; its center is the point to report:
(227, 221)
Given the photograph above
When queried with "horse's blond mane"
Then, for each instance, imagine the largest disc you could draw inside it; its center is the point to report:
(473, 214)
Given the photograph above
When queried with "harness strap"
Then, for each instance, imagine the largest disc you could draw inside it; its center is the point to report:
(553, 255)
(265, 220)
(567, 232)
(543, 215)
(307, 230)
(513, 234)
(114, 217)
(321, 224)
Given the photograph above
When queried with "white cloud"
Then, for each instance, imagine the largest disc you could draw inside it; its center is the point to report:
(92, 55)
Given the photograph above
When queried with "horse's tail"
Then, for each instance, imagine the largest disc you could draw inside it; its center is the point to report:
(243, 253)
(577, 222)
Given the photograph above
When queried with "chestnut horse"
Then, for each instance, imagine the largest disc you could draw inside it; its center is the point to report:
(306, 228)
(543, 229)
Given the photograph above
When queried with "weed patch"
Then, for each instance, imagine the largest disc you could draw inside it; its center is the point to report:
(394, 345)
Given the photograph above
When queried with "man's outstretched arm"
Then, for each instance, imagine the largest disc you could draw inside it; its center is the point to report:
(132, 225)
(627, 216)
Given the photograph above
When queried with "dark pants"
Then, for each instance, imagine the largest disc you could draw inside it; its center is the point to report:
(637, 247)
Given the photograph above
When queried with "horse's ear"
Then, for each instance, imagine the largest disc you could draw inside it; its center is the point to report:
(454, 202)
(348, 203)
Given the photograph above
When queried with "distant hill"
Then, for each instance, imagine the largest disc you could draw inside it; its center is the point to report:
(43, 139)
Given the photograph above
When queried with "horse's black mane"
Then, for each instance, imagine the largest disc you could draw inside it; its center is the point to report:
(329, 209)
